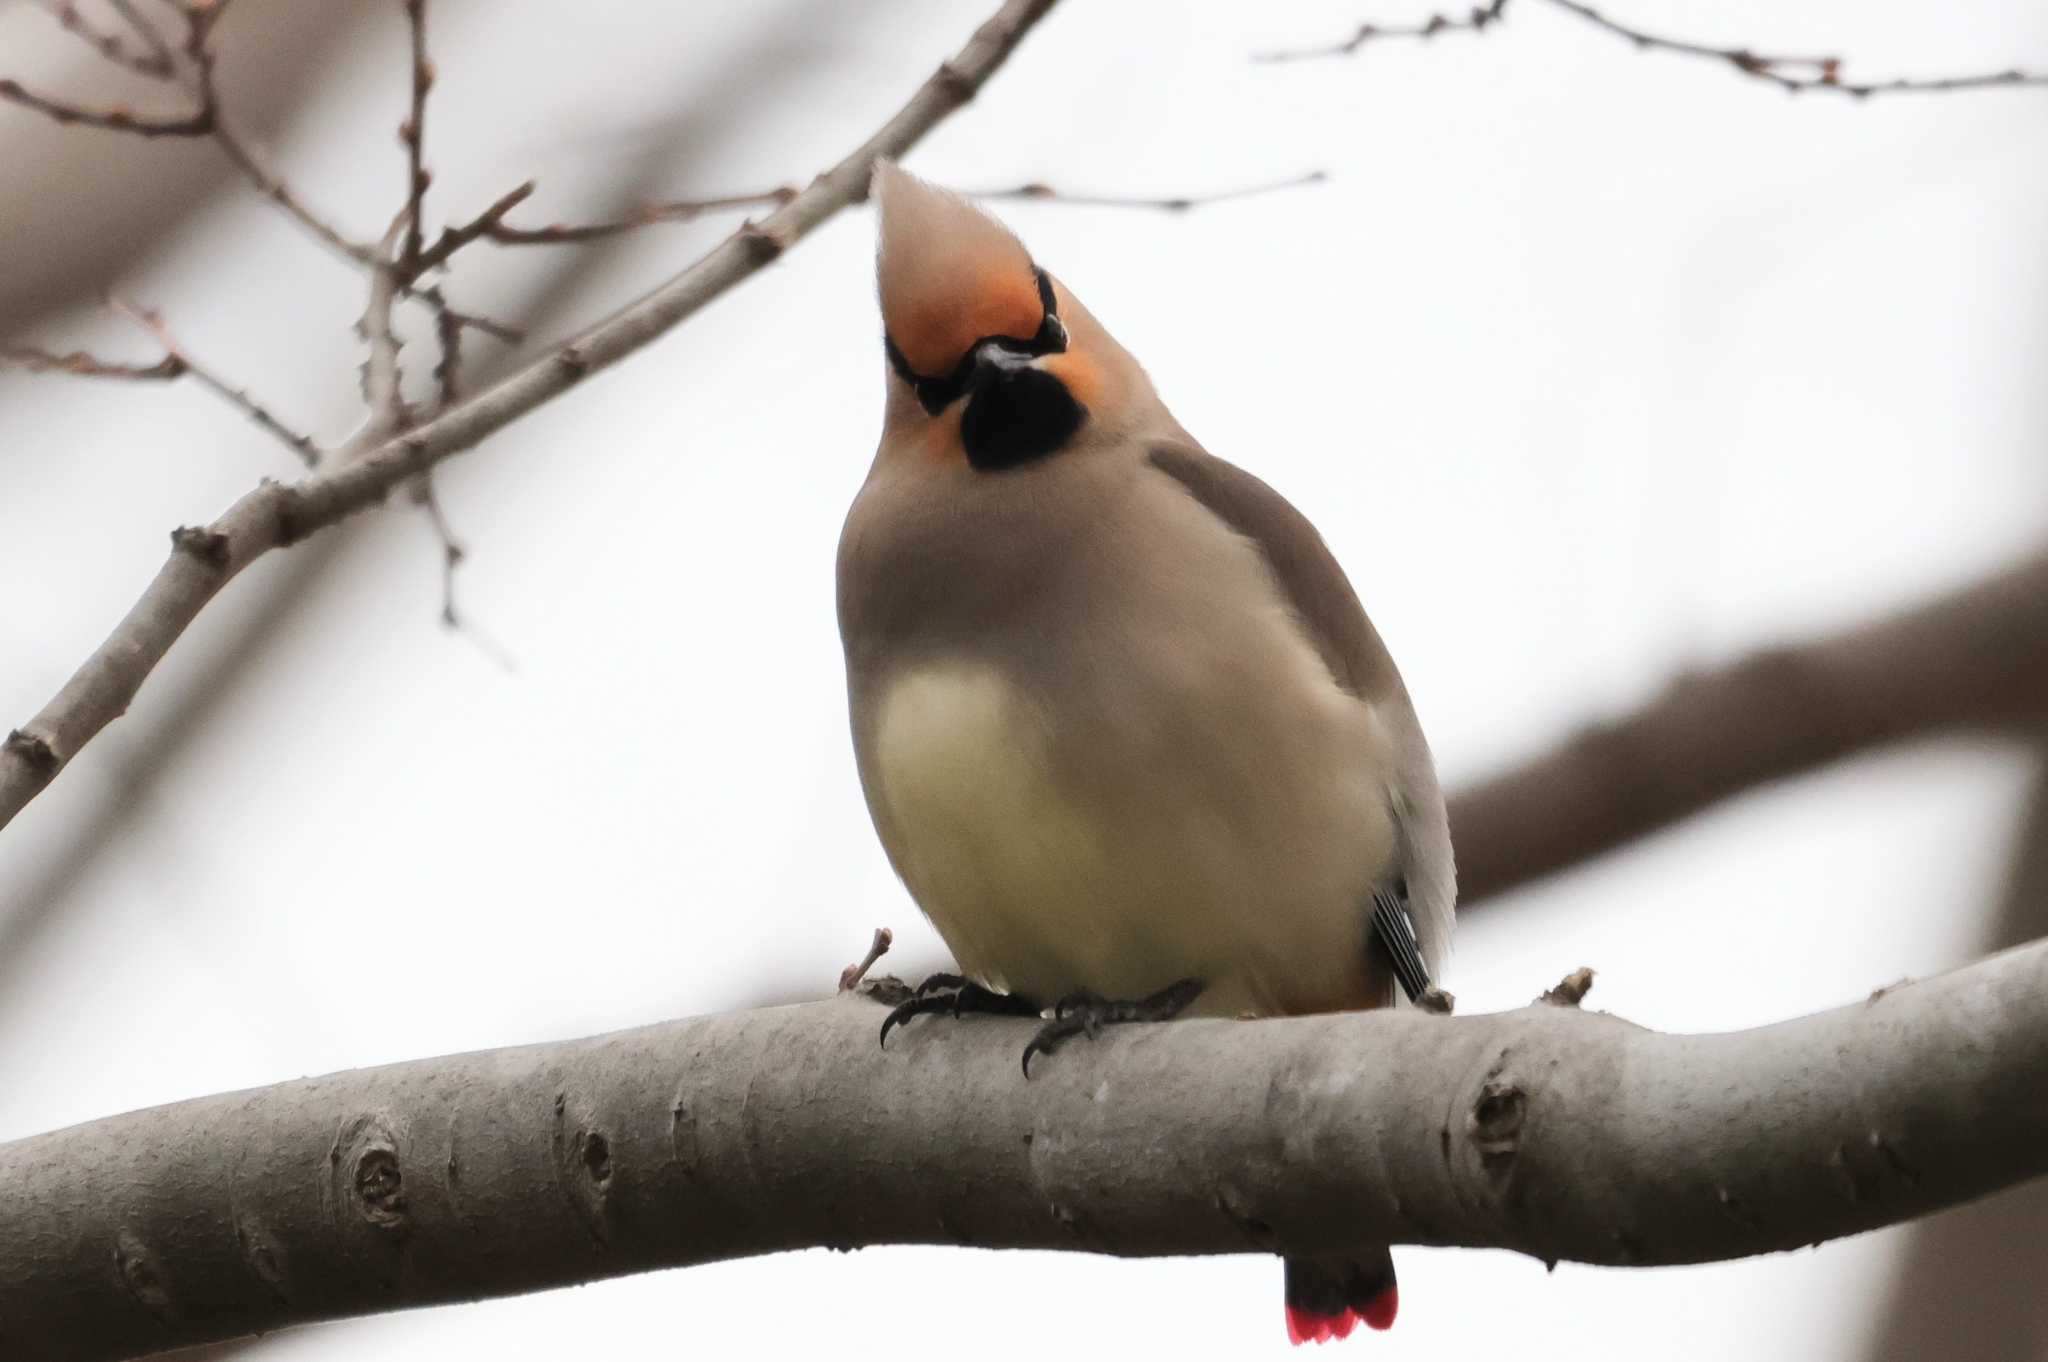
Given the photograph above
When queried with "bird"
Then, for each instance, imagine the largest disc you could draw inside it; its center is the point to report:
(1123, 727)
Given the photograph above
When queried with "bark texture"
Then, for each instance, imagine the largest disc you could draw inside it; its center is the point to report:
(1560, 1133)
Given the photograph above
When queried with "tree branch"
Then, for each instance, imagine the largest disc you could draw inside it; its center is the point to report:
(116, 118)
(1794, 75)
(1178, 203)
(1557, 1132)
(79, 364)
(412, 133)
(277, 514)
(1977, 658)
(174, 353)
(155, 62)
(491, 223)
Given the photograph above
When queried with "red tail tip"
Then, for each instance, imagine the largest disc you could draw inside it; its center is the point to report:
(1304, 1327)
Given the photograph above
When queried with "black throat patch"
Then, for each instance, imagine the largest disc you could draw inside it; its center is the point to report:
(1015, 416)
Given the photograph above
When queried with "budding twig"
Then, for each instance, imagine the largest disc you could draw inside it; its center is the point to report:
(678, 210)
(152, 322)
(82, 365)
(155, 63)
(412, 133)
(1792, 74)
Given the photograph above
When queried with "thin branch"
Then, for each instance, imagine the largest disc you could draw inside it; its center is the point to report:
(200, 18)
(1974, 659)
(686, 210)
(1553, 1131)
(448, 327)
(115, 118)
(503, 332)
(383, 380)
(412, 132)
(452, 552)
(277, 514)
(152, 322)
(151, 36)
(1474, 21)
(207, 120)
(155, 62)
(1792, 74)
(83, 365)
(453, 239)
(1176, 204)
(1797, 74)
(677, 210)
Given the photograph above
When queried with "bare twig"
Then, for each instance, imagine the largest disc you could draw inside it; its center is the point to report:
(115, 118)
(277, 514)
(152, 322)
(1792, 74)
(879, 947)
(1175, 204)
(206, 120)
(452, 552)
(83, 365)
(1474, 21)
(412, 132)
(472, 321)
(1552, 1131)
(155, 62)
(147, 31)
(453, 239)
(1975, 659)
(678, 210)
(686, 210)
(1796, 74)
(199, 19)
(448, 335)
(383, 380)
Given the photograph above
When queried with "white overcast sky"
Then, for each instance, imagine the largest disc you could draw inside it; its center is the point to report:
(1591, 366)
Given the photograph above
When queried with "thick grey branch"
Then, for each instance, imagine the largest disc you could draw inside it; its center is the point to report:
(1557, 1132)
(1975, 659)
(277, 514)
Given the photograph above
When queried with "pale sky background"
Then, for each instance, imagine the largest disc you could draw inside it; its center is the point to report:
(1590, 365)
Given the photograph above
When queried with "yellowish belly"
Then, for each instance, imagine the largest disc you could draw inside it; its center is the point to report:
(1010, 871)
(1038, 892)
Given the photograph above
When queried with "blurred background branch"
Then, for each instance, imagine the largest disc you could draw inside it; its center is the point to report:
(1976, 659)
(1794, 75)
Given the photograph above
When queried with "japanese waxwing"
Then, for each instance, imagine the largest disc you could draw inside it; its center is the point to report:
(1122, 725)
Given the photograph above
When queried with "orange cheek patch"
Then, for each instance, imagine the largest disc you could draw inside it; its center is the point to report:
(934, 330)
(1083, 378)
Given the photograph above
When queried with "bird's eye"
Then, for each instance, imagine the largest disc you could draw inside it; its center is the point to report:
(1052, 336)
(1052, 332)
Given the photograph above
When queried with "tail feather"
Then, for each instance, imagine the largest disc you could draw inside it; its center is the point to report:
(1327, 1297)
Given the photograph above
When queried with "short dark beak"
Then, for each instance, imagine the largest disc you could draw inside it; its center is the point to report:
(994, 361)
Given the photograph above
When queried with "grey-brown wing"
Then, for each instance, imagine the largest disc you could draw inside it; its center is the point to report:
(1415, 922)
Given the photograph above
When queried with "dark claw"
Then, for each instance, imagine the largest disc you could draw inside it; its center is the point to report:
(1086, 1012)
(956, 995)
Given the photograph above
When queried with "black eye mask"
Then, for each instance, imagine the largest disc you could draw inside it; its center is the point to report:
(936, 394)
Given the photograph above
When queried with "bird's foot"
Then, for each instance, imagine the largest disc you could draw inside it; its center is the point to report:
(957, 995)
(1086, 1012)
